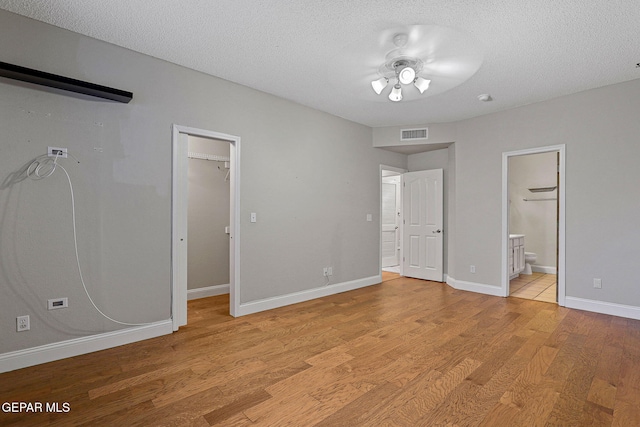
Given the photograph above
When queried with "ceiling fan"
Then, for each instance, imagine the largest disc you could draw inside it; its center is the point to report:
(408, 63)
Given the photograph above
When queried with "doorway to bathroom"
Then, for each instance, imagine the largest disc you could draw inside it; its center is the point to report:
(533, 224)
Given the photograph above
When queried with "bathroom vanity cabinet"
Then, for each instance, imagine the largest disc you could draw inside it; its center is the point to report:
(516, 255)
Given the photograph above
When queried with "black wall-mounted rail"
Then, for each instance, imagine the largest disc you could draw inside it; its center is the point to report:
(24, 74)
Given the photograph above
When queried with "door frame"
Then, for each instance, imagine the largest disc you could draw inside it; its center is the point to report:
(560, 271)
(399, 171)
(179, 211)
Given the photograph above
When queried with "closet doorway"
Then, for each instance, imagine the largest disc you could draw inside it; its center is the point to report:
(208, 217)
(180, 216)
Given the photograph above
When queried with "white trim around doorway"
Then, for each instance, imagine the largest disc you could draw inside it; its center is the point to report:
(561, 149)
(178, 210)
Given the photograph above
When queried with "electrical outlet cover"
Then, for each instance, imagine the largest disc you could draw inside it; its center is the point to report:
(23, 323)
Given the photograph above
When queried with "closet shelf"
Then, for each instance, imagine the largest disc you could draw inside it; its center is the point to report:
(542, 189)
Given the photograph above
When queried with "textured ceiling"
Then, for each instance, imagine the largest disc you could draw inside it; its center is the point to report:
(533, 50)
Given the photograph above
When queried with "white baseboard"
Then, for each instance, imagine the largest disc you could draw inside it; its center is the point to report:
(620, 310)
(480, 288)
(543, 269)
(294, 298)
(209, 291)
(75, 347)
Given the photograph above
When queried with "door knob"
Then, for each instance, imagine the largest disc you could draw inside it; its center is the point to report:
(396, 227)
(437, 231)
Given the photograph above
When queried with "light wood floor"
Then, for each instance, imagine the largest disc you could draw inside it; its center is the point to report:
(405, 353)
(535, 286)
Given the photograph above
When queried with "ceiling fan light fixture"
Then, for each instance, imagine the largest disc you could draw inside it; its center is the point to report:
(379, 84)
(396, 93)
(421, 84)
(407, 75)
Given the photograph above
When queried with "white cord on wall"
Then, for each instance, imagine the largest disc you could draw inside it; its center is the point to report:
(43, 167)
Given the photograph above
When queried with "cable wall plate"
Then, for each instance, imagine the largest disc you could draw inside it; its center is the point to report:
(57, 152)
(56, 303)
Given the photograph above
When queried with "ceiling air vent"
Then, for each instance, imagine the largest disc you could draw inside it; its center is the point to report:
(414, 134)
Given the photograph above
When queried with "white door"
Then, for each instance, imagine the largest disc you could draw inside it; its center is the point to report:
(390, 221)
(422, 224)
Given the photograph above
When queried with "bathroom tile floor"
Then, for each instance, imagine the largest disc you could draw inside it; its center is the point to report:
(536, 286)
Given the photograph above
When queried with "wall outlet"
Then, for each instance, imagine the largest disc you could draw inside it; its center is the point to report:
(329, 271)
(54, 304)
(57, 151)
(325, 271)
(597, 283)
(472, 268)
(23, 323)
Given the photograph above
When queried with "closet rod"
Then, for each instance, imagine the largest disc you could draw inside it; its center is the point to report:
(213, 157)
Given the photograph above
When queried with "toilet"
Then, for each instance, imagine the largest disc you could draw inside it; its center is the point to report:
(529, 259)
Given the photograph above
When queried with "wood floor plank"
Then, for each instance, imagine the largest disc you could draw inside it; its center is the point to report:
(531, 375)
(362, 410)
(406, 352)
(476, 407)
(234, 408)
(420, 398)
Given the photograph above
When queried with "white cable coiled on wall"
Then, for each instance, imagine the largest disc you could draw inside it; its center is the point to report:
(37, 170)
(43, 167)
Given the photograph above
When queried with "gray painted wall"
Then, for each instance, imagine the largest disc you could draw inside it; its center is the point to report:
(600, 128)
(208, 215)
(310, 176)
